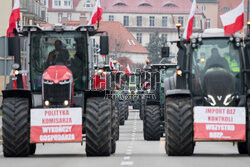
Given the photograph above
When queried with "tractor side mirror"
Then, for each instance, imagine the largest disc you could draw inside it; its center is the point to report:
(104, 45)
(14, 46)
(165, 52)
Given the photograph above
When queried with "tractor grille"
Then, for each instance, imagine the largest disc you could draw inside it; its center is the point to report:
(56, 93)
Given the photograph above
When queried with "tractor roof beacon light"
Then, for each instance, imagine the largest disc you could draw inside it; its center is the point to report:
(178, 26)
(114, 62)
(147, 61)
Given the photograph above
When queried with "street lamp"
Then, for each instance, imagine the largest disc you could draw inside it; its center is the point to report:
(178, 26)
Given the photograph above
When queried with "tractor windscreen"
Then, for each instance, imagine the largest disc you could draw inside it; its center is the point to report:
(214, 57)
(52, 48)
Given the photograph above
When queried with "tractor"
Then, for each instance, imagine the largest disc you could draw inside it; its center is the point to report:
(59, 102)
(208, 99)
(153, 109)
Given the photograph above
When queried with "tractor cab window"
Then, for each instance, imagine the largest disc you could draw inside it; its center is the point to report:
(51, 48)
(215, 55)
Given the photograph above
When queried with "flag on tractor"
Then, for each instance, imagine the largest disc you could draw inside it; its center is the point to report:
(14, 19)
(233, 20)
(96, 16)
(189, 27)
(111, 64)
(127, 70)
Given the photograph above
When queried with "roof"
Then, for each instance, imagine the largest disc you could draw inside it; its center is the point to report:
(125, 40)
(147, 6)
(207, 1)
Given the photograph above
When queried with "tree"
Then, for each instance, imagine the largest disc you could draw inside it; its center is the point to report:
(154, 47)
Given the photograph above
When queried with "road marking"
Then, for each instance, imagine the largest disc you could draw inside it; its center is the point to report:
(126, 158)
(130, 147)
(127, 163)
(128, 153)
(129, 150)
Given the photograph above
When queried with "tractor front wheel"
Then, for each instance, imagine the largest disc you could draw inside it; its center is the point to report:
(98, 127)
(178, 126)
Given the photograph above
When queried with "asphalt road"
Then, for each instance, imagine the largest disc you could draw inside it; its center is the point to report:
(132, 150)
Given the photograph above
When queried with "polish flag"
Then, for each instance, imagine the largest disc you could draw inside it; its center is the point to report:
(189, 28)
(127, 70)
(145, 85)
(14, 19)
(233, 20)
(111, 64)
(96, 14)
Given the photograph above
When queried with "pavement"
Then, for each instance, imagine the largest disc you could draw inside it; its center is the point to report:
(131, 150)
(1, 129)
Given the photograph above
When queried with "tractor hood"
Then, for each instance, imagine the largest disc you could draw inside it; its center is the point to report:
(219, 87)
(57, 73)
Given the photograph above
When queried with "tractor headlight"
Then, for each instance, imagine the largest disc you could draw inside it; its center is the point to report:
(46, 103)
(210, 99)
(64, 82)
(228, 99)
(48, 82)
(66, 103)
(193, 40)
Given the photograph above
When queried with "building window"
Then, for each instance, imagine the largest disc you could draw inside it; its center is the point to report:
(126, 20)
(224, 8)
(120, 4)
(139, 37)
(139, 21)
(170, 5)
(208, 23)
(59, 17)
(145, 4)
(203, 8)
(164, 21)
(164, 38)
(57, 2)
(88, 4)
(111, 18)
(69, 16)
(181, 20)
(151, 21)
(194, 22)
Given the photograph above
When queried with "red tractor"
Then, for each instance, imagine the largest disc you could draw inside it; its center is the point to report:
(58, 103)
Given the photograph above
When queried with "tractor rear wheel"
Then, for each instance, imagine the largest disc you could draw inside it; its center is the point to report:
(142, 108)
(178, 126)
(152, 123)
(117, 124)
(98, 127)
(113, 129)
(244, 147)
(122, 114)
(16, 130)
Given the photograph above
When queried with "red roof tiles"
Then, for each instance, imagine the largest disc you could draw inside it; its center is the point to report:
(125, 40)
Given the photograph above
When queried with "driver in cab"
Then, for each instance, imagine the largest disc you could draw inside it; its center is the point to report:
(59, 56)
(216, 61)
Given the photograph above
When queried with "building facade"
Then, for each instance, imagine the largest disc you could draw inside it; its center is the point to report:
(69, 11)
(210, 10)
(145, 17)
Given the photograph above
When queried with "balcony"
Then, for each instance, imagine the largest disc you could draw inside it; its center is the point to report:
(33, 10)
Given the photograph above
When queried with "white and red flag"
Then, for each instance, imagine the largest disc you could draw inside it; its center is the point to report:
(96, 16)
(14, 19)
(127, 70)
(233, 20)
(189, 27)
(111, 64)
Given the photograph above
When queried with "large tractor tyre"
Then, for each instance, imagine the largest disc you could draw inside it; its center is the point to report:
(242, 147)
(113, 130)
(98, 127)
(122, 114)
(178, 126)
(152, 123)
(32, 148)
(117, 124)
(15, 125)
(126, 113)
(142, 108)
